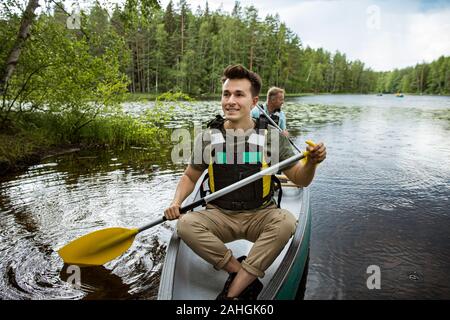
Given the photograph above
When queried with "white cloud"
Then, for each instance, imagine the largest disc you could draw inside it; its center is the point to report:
(430, 33)
(405, 39)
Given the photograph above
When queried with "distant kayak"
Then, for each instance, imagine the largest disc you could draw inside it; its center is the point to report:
(399, 95)
(186, 276)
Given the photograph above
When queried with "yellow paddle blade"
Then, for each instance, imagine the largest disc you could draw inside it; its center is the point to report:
(98, 247)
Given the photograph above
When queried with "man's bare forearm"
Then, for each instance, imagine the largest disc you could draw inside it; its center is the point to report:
(186, 184)
(304, 174)
(184, 189)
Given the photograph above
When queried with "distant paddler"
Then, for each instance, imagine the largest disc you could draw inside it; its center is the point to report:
(272, 106)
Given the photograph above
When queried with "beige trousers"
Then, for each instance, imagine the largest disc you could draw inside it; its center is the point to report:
(207, 231)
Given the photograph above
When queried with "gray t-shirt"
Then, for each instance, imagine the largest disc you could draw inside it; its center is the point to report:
(276, 146)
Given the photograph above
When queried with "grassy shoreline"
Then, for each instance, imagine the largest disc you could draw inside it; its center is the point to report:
(18, 155)
(27, 142)
(27, 138)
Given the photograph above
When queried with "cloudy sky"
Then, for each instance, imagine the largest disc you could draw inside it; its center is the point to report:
(383, 34)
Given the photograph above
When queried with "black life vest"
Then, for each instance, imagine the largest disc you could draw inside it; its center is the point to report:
(275, 115)
(227, 167)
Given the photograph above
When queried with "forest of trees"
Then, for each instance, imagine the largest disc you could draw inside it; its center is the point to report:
(423, 78)
(178, 48)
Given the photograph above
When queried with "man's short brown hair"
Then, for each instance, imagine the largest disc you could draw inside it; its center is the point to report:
(238, 71)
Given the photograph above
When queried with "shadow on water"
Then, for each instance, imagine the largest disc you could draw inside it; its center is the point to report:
(98, 283)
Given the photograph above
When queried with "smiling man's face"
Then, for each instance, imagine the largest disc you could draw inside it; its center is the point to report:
(237, 99)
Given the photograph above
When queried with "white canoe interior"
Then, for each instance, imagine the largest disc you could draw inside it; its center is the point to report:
(186, 276)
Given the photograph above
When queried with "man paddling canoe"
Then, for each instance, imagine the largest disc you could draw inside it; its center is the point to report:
(250, 212)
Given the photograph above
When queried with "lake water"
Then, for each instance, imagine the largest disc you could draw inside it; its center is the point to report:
(381, 198)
